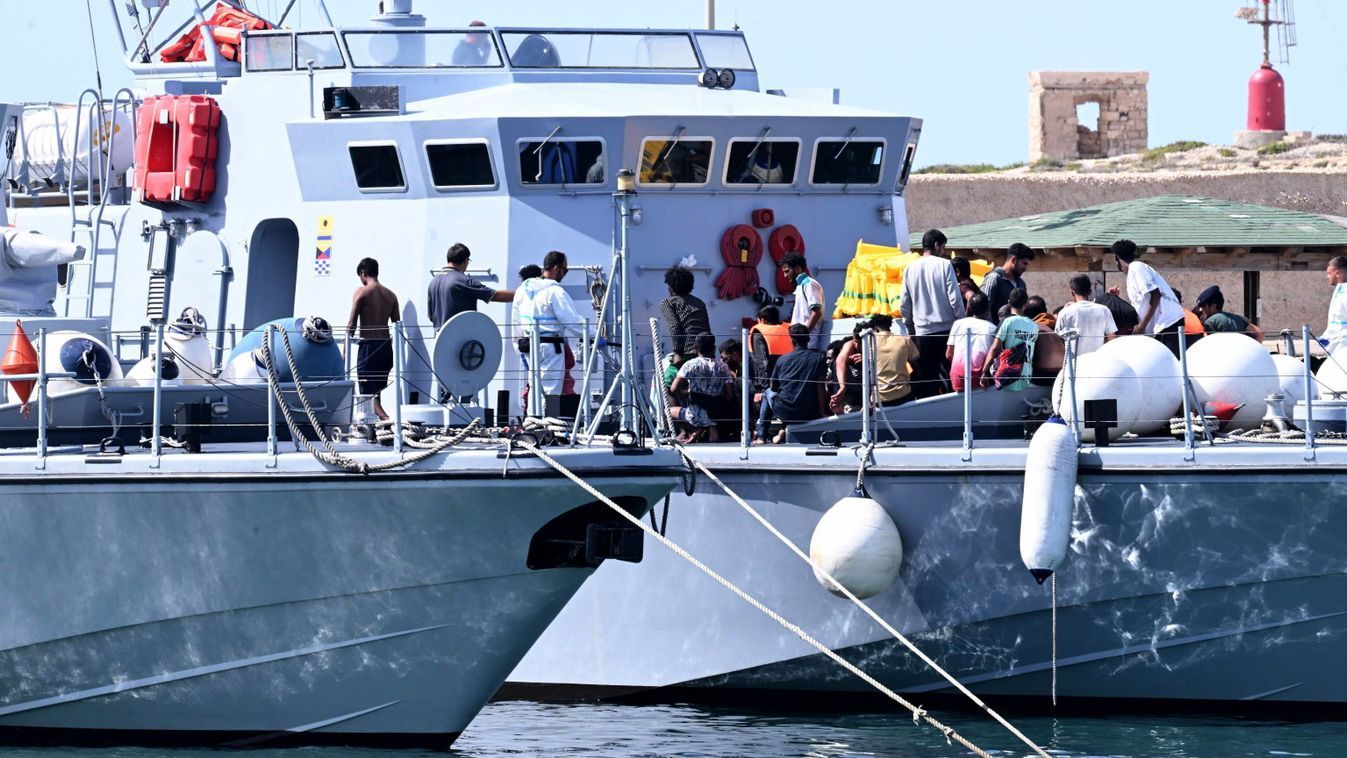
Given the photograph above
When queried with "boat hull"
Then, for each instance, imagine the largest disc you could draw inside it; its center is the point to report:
(1188, 582)
(314, 608)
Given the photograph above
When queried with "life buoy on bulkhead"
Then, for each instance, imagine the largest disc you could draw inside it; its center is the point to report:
(784, 239)
(1049, 496)
(741, 250)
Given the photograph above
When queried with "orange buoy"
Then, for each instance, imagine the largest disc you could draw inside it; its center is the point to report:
(20, 358)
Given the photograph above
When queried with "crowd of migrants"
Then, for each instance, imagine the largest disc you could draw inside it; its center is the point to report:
(952, 335)
(1014, 339)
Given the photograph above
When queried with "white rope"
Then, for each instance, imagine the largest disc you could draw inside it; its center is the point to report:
(1054, 639)
(917, 711)
(861, 604)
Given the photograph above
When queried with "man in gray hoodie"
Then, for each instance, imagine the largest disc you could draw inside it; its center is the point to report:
(930, 304)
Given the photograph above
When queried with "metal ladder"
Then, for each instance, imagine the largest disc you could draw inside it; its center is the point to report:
(89, 224)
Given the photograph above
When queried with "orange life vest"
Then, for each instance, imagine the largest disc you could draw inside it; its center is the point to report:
(1192, 324)
(777, 337)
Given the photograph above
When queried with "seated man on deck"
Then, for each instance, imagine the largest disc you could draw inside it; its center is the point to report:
(796, 393)
(1211, 307)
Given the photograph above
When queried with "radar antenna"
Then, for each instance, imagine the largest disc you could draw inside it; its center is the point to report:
(1284, 21)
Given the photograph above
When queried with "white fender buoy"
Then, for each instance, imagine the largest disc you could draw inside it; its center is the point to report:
(1331, 380)
(185, 341)
(1158, 372)
(142, 374)
(1100, 377)
(1291, 381)
(1231, 368)
(243, 369)
(858, 545)
(1049, 495)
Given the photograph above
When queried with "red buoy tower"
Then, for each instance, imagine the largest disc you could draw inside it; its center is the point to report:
(1267, 90)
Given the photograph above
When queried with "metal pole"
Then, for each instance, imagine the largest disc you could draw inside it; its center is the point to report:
(710, 14)
(583, 410)
(399, 344)
(1309, 395)
(968, 380)
(866, 378)
(628, 361)
(272, 398)
(156, 438)
(117, 24)
(42, 395)
(1071, 382)
(746, 396)
(1187, 406)
(535, 372)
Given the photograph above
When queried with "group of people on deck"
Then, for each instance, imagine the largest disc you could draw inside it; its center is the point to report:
(953, 333)
(541, 307)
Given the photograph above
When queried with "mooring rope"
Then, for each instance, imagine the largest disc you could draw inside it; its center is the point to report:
(861, 604)
(1054, 639)
(330, 455)
(918, 713)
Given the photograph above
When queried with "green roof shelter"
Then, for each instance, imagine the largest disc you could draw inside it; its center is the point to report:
(1173, 232)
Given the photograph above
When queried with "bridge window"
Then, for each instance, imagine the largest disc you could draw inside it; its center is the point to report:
(270, 52)
(757, 162)
(908, 156)
(321, 48)
(686, 160)
(850, 161)
(725, 51)
(407, 49)
(378, 167)
(457, 164)
(621, 50)
(570, 161)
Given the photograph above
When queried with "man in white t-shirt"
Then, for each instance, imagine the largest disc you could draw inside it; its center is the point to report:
(983, 333)
(808, 299)
(1092, 321)
(1158, 309)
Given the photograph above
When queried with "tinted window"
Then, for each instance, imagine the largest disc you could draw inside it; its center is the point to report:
(562, 162)
(460, 165)
(903, 175)
(668, 161)
(769, 162)
(272, 52)
(377, 167)
(320, 48)
(848, 162)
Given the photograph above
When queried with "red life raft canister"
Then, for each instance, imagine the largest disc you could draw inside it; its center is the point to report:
(177, 143)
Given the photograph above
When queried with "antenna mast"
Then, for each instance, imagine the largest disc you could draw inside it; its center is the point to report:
(1285, 23)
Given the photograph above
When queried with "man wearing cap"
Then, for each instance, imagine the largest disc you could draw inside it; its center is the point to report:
(1210, 306)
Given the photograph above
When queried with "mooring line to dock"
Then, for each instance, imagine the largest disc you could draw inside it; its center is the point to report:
(918, 713)
(857, 601)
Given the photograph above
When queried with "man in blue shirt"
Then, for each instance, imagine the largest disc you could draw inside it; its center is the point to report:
(797, 393)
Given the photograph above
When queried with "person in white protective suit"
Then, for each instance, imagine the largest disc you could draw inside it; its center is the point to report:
(1335, 335)
(28, 264)
(542, 302)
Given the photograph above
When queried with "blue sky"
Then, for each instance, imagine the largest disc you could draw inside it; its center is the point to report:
(961, 65)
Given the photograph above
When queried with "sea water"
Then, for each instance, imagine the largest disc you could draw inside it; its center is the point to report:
(535, 729)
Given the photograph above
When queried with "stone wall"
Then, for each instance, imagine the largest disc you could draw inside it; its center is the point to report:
(1288, 298)
(1056, 134)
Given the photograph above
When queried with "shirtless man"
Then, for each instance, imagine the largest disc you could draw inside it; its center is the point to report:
(373, 308)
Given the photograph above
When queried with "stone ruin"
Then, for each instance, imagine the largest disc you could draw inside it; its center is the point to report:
(1063, 124)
